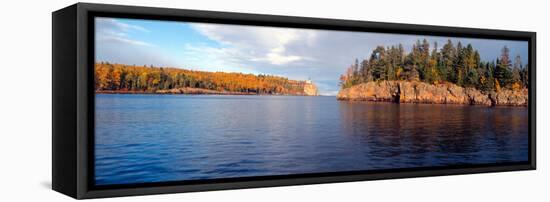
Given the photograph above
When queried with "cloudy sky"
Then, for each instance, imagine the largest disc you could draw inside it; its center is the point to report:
(293, 53)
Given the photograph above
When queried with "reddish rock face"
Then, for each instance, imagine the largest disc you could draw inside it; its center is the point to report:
(512, 98)
(420, 92)
(371, 91)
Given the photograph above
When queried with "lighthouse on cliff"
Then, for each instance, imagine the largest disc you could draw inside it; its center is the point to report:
(310, 88)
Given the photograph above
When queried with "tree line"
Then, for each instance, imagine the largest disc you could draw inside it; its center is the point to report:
(120, 77)
(461, 65)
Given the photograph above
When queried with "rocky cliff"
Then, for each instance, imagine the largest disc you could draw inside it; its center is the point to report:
(420, 92)
(310, 89)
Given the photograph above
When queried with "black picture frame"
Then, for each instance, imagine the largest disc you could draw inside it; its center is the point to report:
(73, 99)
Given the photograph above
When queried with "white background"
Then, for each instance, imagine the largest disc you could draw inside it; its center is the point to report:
(25, 102)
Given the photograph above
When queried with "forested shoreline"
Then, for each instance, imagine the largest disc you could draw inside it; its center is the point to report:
(121, 78)
(459, 65)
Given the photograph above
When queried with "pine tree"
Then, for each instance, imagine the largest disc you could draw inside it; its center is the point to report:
(502, 71)
(378, 65)
(525, 76)
(448, 56)
(516, 73)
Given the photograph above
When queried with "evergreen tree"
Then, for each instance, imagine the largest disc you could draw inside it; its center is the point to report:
(378, 65)
(516, 72)
(525, 76)
(471, 62)
(461, 65)
(448, 57)
(502, 72)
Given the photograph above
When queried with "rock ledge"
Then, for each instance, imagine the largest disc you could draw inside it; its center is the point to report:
(420, 92)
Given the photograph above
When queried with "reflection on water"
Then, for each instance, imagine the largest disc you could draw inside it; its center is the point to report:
(153, 138)
(431, 135)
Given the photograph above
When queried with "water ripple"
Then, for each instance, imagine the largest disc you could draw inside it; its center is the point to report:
(152, 138)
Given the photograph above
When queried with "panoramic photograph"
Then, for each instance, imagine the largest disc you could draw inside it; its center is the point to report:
(181, 101)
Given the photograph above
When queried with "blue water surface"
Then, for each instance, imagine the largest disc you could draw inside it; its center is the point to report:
(158, 138)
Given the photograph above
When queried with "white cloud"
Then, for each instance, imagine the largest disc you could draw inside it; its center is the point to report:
(258, 43)
(110, 30)
(276, 56)
(203, 57)
(114, 24)
(114, 44)
(115, 39)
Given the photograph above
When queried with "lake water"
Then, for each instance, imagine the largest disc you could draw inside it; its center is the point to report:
(156, 138)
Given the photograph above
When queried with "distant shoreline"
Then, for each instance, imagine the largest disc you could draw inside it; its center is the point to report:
(189, 91)
(168, 92)
(131, 79)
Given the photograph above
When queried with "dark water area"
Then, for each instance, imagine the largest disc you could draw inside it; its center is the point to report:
(157, 138)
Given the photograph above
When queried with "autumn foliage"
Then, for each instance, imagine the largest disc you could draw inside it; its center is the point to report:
(131, 78)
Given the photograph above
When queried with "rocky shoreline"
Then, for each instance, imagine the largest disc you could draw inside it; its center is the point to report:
(420, 92)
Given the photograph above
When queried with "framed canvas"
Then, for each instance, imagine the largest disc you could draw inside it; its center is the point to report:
(157, 100)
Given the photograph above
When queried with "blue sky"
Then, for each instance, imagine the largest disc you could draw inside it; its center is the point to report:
(321, 55)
